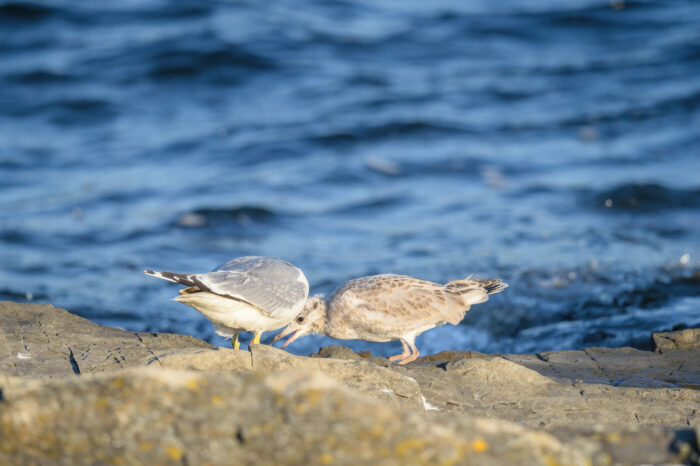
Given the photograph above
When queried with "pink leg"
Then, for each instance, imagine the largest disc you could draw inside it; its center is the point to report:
(411, 357)
(406, 353)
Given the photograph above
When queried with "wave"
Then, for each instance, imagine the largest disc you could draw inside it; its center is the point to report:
(241, 216)
(39, 76)
(386, 130)
(200, 55)
(598, 15)
(471, 167)
(630, 327)
(369, 205)
(13, 237)
(645, 197)
(13, 12)
(182, 9)
(547, 304)
(666, 287)
(69, 111)
(18, 296)
(182, 62)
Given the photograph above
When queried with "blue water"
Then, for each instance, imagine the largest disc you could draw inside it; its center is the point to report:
(553, 144)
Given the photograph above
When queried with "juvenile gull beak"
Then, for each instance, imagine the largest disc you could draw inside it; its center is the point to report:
(285, 331)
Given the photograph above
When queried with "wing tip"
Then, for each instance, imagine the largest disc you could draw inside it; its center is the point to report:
(496, 287)
(169, 276)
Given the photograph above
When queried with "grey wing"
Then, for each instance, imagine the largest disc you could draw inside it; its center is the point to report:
(271, 285)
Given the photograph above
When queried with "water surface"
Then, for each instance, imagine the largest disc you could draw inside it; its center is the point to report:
(554, 145)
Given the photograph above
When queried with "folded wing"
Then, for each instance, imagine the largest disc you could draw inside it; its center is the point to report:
(400, 301)
(271, 285)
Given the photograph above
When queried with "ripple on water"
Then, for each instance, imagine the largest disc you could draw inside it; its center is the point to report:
(552, 145)
(645, 197)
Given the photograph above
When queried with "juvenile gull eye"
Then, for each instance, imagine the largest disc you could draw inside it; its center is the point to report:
(300, 319)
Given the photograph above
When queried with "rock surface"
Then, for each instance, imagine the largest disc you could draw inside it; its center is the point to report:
(159, 398)
(682, 339)
(285, 417)
(45, 341)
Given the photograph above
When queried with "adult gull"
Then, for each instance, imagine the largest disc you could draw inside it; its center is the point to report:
(251, 293)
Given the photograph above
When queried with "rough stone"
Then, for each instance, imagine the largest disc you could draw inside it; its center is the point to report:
(45, 341)
(597, 402)
(557, 390)
(382, 383)
(163, 416)
(682, 339)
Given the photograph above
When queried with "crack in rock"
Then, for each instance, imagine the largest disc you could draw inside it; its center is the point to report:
(73, 362)
(600, 369)
(155, 357)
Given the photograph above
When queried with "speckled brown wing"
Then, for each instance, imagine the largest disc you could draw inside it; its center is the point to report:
(394, 304)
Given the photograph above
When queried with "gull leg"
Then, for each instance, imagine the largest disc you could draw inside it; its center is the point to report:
(256, 339)
(406, 353)
(413, 356)
(234, 341)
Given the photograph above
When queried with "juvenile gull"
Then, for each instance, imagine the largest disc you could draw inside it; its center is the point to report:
(389, 307)
(254, 294)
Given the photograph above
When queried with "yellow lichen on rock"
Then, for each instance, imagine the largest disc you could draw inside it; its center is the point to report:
(479, 445)
(174, 452)
(410, 445)
(145, 446)
(192, 384)
(313, 396)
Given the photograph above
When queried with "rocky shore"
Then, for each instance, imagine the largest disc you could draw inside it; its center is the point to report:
(74, 392)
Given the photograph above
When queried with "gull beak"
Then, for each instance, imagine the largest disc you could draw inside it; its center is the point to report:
(294, 335)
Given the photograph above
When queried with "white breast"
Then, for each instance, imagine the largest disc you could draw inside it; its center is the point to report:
(234, 314)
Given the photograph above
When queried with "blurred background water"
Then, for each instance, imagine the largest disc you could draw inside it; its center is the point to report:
(553, 144)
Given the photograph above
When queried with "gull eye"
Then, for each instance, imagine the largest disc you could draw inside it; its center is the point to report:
(300, 319)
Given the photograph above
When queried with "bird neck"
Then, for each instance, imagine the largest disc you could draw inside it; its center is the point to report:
(315, 311)
(319, 325)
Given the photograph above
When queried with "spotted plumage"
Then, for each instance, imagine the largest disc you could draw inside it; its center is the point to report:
(390, 307)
